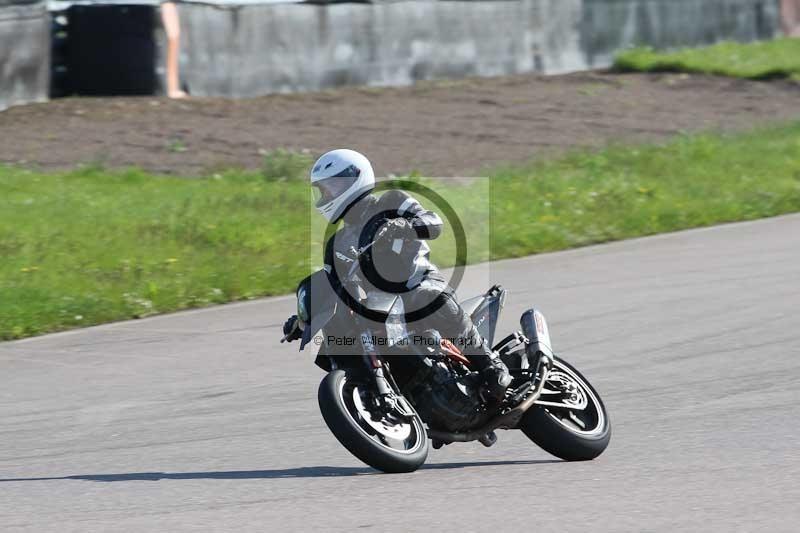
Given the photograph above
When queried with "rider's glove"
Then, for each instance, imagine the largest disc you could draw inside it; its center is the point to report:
(291, 329)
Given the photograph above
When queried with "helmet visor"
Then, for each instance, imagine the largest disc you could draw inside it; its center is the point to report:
(331, 188)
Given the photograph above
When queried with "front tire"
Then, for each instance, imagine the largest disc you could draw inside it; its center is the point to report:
(382, 444)
(570, 434)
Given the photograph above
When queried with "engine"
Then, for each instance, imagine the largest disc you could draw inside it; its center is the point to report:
(444, 399)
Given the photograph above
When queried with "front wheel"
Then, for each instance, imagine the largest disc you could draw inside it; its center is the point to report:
(569, 419)
(384, 442)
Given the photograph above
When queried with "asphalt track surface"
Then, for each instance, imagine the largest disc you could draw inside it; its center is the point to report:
(203, 421)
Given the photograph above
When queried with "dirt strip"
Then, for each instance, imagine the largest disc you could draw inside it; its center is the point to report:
(438, 128)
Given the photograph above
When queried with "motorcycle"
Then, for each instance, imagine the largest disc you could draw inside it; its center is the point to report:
(388, 390)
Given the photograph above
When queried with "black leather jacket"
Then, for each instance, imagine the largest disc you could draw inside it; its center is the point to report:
(409, 261)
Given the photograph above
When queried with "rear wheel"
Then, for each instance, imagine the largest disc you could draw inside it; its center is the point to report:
(569, 419)
(386, 441)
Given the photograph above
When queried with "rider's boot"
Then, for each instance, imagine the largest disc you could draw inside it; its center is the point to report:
(493, 370)
(497, 378)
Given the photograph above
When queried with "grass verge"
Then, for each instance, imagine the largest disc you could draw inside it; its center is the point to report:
(91, 246)
(779, 58)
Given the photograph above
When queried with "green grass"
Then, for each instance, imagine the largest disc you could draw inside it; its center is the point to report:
(93, 246)
(89, 246)
(779, 58)
(623, 192)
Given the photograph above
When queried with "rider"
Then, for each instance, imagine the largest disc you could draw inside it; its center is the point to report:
(343, 181)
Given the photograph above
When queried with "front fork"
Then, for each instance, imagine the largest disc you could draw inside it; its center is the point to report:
(388, 399)
(374, 364)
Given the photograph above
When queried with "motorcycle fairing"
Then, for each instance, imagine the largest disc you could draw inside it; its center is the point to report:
(485, 310)
(319, 300)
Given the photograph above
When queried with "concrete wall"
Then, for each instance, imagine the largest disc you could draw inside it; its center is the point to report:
(609, 25)
(256, 49)
(307, 47)
(24, 53)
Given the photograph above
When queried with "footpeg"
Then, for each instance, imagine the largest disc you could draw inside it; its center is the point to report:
(489, 439)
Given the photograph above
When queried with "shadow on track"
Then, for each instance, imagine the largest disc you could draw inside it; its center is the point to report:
(303, 472)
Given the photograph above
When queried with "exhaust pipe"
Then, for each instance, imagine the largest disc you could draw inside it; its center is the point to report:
(508, 420)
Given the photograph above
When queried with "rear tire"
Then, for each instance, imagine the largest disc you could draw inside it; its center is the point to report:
(551, 430)
(338, 401)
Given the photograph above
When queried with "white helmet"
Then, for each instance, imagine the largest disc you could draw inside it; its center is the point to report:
(339, 178)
